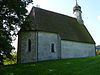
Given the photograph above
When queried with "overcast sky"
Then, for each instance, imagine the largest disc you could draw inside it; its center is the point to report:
(90, 12)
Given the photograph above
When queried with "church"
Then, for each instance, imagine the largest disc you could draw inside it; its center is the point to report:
(50, 35)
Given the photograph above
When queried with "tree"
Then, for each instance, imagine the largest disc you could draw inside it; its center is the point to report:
(12, 16)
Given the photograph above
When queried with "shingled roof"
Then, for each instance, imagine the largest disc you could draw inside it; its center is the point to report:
(67, 27)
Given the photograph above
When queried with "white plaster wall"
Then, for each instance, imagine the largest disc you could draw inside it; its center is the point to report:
(75, 49)
(41, 47)
(44, 46)
(23, 54)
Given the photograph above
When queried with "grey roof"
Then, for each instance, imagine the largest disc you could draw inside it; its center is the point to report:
(67, 27)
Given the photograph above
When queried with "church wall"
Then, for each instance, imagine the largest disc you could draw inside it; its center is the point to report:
(76, 49)
(48, 46)
(24, 54)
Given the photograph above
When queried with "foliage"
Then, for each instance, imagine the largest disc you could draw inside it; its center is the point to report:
(76, 66)
(8, 61)
(98, 52)
(12, 16)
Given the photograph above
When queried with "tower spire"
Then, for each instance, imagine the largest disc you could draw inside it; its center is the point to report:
(76, 2)
(77, 12)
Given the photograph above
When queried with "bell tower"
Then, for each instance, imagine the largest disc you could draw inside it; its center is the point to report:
(78, 13)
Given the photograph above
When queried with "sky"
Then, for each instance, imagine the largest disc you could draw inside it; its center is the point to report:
(90, 13)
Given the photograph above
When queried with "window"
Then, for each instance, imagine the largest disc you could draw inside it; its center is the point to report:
(29, 45)
(52, 48)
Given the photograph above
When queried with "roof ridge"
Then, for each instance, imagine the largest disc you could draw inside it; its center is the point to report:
(52, 12)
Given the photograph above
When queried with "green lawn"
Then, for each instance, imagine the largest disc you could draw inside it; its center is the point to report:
(76, 66)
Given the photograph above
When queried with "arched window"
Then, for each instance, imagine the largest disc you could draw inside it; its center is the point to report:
(29, 45)
(52, 48)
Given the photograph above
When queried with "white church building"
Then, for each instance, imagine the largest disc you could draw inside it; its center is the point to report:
(48, 35)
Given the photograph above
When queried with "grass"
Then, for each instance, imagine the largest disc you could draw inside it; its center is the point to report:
(76, 66)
